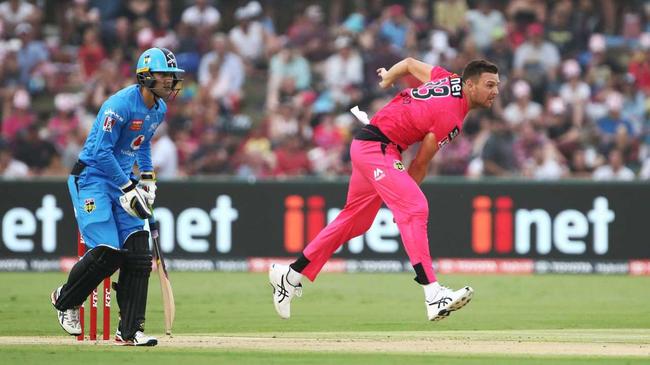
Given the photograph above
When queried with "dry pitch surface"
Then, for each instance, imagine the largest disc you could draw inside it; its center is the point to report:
(619, 342)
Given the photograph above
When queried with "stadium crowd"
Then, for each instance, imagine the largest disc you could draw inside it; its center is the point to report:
(269, 83)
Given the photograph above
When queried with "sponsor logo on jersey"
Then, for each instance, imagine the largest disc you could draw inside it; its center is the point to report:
(153, 126)
(455, 83)
(454, 132)
(136, 125)
(89, 205)
(137, 142)
(398, 165)
(107, 126)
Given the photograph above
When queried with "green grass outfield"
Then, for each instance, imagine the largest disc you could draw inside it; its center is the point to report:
(228, 318)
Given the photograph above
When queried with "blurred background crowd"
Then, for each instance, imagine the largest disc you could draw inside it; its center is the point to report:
(269, 83)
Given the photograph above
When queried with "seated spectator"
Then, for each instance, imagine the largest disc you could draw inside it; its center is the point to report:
(61, 126)
(34, 151)
(578, 166)
(482, 21)
(202, 16)
(14, 12)
(544, 164)
(249, 37)
(398, 28)
(17, 115)
(164, 154)
(310, 34)
(528, 139)
(614, 170)
(498, 157)
(91, 53)
(343, 73)
(522, 110)
(31, 54)
(222, 74)
(291, 158)
(536, 60)
(287, 67)
(10, 168)
(609, 125)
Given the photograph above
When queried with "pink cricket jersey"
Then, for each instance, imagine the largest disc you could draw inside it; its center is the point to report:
(437, 106)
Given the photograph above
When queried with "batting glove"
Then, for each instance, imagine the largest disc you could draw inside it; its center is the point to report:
(134, 202)
(148, 184)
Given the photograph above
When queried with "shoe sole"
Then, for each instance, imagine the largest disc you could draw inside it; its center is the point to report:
(53, 300)
(469, 292)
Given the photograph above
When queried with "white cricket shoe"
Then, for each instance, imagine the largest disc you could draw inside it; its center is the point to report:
(140, 339)
(283, 291)
(447, 301)
(68, 319)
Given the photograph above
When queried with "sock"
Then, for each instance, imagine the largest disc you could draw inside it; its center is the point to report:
(430, 290)
(300, 263)
(293, 277)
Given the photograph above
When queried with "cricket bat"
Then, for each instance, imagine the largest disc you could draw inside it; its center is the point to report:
(169, 308)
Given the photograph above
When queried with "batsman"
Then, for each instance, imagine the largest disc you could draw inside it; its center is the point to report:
(110, 204)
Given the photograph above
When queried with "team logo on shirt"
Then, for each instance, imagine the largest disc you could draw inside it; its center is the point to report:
(107, 126)
(454, 132)
(89, 205)
(398, 165)
(136, 125)
(146, 59)
(137, 142)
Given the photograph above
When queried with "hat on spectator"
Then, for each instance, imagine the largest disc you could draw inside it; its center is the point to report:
(23, 28)
(314, 12)
(521, 89)
(614, 101)
(342, 42)
(396, 10)
(556, 106)
(535, 29)
(65, 102)
(439, 41)
(354, 23)
(644, 41)
(241, 13)
(597, 43)
(21, 99)
(254, 9)
(571, 68)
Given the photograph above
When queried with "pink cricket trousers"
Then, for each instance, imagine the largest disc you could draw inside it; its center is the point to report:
(376, 177)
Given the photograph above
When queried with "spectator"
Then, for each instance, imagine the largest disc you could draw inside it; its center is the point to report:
(287, 66)
(62, 125)
(32, 53)
(14, 12)
(291, 158)
(10, 168)
(398, 28)
(221, 73)
(482, 21)
(522, 110)
(536, 60)
(579, 167)
(34, 151)
(18, 117)
(498, 152)
(249, 36)
(544, 164)
(343, 72)
(202, 16)
(164, 154)
(310, 34)
(612, 124)
(614, 170)
(91, 53)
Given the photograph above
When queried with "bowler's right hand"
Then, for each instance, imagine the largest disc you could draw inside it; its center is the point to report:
(384, 83)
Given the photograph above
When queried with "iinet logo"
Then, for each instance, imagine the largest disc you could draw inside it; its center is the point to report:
(566, 232)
